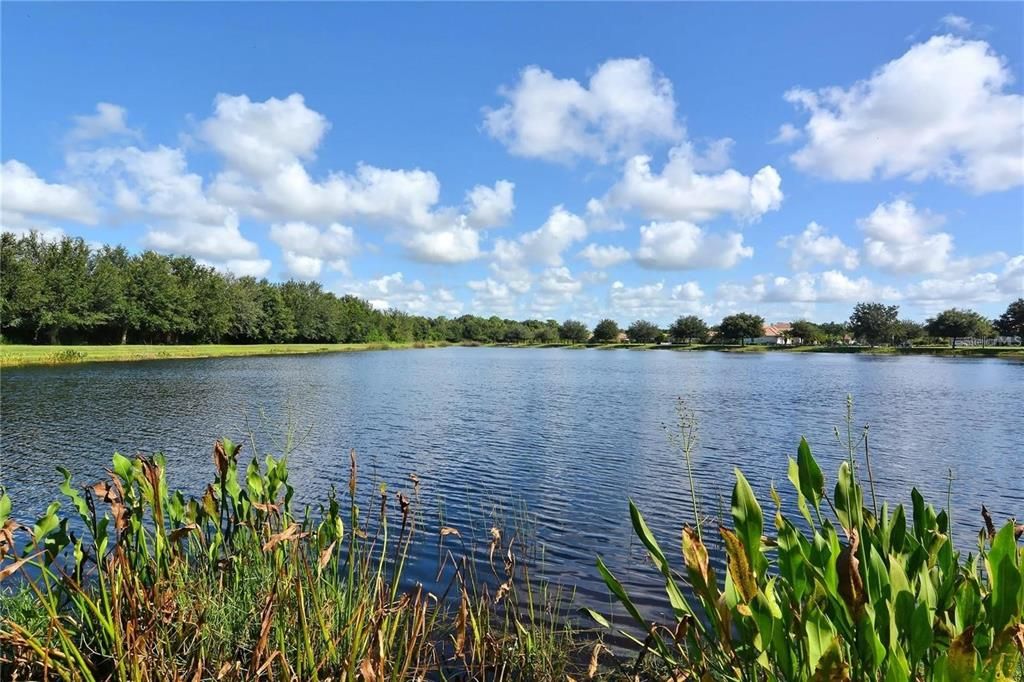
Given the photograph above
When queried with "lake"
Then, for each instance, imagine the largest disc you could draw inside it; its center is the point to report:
(567, 435)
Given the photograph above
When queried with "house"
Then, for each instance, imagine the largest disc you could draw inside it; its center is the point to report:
(776, 334)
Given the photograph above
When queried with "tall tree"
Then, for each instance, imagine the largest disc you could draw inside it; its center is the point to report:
(806, 332)
(741, 326)
(1011, 322)
(573, 331)
(874, 322)
(956, 323)
(688, 328)
(606, 331)
(642, 331)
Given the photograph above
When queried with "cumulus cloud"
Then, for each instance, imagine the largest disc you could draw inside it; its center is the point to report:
(657, 301)
(305, 248)
(831, 286)
(681, 192)
(546, 244)
(604, 256)
(624, 105)
(490, 206)
(955, 22)
(681, 245)
(900, 239)
(814, 246)
(262, 138)
(395, 291)
(493, 297)
(980, 287)
(108, 121)
(209, 242)
(455, 244)
(25, 195)
(943, 109)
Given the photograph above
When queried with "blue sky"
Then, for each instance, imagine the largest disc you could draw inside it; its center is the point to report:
(534, 160)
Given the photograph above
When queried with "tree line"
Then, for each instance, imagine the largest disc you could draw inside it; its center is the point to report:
(64, 291)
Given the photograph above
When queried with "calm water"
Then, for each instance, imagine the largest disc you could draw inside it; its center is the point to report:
(569, 434)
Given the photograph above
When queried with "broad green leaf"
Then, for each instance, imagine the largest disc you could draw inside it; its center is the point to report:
(749, 521)
(812, 483)
(675, 596)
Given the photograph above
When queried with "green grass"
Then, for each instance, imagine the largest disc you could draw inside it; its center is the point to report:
(19, 355)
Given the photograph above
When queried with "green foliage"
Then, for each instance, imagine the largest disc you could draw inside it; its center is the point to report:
(874, 323)
(806, 332)
(62, 291)
(573, 331)
(741, 326)
(237, 584)
(1011, 322)
(606, 331)
(955, 323)
(642, 331)
(861, 595)
(687, 329)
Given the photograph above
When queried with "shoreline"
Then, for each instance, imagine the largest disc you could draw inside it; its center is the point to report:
(13, 356)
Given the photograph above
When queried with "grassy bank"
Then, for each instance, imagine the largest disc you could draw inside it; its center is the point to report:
(19, 355)
(12, 355)
(136, 582)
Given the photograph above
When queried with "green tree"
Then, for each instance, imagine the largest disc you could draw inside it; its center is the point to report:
(1011, 322)
(642, 331)
(741, 326)
(834, 332)
(573, 331)
(874, 322)
(956, 323)
(907, 331)
(112, 300)
(687, 329)
(806, 332)
(606, 331)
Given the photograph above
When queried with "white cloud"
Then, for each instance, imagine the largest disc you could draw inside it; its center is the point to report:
(831, 286)
(604, 256)
(305, 248)
(900, 239)
(452, 245)
(546, 244)
(209, 242)
(955, 22)
(680, 192)
(624, 105)
(493, 298)
(490, 206)
(24, 194)
(813, 246)
(980, 287)
(940, 110)
(108, 121)
(787, 133)
(261, 138)
(681, 245)
(241, 267)
(656, 301)
(394, 291)
(559, 281)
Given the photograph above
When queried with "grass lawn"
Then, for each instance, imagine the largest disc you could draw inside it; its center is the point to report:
(18, 355)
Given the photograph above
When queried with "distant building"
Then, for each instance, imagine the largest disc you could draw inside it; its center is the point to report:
(776, 334)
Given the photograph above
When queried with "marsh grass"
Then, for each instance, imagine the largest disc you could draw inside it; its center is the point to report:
(847, 591)
(142, 583)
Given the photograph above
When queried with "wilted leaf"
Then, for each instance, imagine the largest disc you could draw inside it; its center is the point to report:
(739, 567)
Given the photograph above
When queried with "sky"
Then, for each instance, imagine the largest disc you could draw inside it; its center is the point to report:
(540, 160)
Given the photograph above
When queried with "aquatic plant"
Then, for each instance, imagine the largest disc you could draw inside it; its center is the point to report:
(843, 593)
(146, 584)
